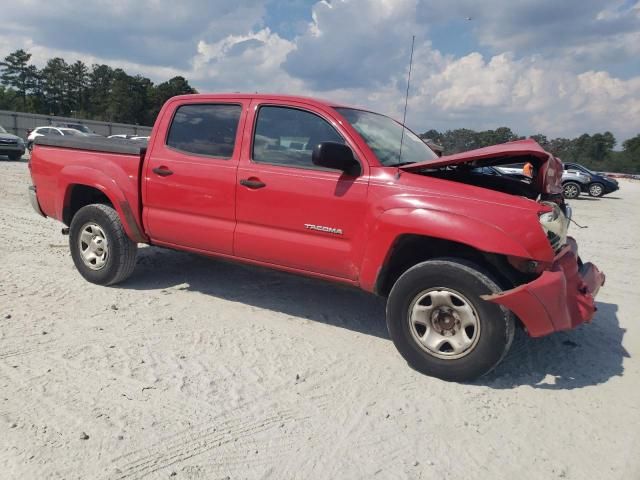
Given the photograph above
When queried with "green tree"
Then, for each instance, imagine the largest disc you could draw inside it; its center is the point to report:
(129, 98)
(164, 91)
(78, 85)
(16, 73)
(36, 99)
(542, 140)
(55, 76)
(632, 146)
(7, 98)
(100, 80)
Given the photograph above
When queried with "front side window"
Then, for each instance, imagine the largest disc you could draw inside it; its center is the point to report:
(287, 136)
(205, 129)
(385, 137)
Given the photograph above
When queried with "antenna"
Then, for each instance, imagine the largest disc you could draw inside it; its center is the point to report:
(406, 99)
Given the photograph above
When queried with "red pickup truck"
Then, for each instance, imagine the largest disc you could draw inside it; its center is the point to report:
(463, 253)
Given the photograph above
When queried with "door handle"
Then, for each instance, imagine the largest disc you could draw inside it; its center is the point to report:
(162, 171)
(254, 184)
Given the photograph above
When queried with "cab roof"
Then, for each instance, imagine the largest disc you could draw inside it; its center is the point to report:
(277, 97)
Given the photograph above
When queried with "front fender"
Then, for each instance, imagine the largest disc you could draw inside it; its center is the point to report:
(450, 226)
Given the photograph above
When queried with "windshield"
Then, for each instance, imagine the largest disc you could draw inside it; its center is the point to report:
(383, 135)
(2, 130)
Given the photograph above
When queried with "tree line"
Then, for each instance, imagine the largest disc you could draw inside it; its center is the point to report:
(96, 92)
(593, 151)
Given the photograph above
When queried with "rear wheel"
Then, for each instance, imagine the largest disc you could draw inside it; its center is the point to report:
(571, 190)
(596, 189)
(442, 327)
(101, 250)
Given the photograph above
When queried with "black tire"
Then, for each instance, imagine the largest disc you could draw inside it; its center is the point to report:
(121, 250)
(571, 190)
(496, 325)
(596, 189)
(14, 157)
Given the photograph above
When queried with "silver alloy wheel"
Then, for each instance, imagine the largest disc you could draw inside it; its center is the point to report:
(571, 190)
(444, 323)
(595, 190)
(94, 247)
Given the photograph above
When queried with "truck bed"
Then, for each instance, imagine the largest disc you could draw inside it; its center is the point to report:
(64, 169)
(94, 144)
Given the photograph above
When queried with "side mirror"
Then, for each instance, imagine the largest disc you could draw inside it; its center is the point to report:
(336, 156)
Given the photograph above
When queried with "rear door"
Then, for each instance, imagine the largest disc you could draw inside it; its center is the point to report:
(190, 176)
(290, 212)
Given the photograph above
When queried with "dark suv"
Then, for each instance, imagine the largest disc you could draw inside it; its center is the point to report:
(599, 185)
(11, 145)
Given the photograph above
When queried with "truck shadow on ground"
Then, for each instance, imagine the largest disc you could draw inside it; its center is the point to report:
(293, 295)
(589, 355)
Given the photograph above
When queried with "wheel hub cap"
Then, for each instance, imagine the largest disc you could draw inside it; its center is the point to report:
(444, 323)
(444, 320)
(94, 247)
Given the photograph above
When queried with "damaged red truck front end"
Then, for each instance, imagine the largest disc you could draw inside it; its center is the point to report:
(563, 294)
(561, 298)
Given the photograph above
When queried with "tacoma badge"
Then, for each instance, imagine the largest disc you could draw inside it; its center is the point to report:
(320, 228)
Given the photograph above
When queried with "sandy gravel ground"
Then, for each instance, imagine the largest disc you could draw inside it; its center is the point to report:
(201, 369)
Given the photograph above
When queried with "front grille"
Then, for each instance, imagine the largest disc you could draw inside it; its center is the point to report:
(8, 141)
(555, 241)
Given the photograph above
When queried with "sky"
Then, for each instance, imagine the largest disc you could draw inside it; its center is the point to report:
(557, 67)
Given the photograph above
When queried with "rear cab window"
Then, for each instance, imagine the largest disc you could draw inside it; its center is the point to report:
(205, 129)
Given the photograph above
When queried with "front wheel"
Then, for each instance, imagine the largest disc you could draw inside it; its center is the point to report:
(442, 327)
(596, 189)
(571, 190)
(101, 250)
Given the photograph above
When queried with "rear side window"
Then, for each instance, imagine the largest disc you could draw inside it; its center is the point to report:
(287, 136)
(205, 129)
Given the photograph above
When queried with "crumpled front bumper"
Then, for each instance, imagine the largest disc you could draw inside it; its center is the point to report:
(559, 299)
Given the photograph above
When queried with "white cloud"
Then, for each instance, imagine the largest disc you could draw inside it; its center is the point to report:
(248, 62)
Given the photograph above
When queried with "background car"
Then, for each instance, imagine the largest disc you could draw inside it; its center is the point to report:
(11, 145)
(123, 136)
(52, 131)
(574, 182)
(599, 184)
(78, 126)
(515, 169)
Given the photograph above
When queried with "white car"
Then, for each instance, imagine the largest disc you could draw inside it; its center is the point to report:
(52, 131)
(124, 136)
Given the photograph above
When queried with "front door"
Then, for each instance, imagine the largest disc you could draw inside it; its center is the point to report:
(289, 212)
(190, 177)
